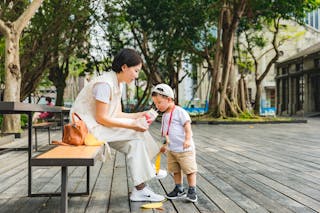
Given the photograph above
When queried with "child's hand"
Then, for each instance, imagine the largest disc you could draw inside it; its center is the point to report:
(186, 144)
(163, 149)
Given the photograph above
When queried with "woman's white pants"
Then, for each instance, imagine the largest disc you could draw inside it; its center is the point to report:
(139, 151)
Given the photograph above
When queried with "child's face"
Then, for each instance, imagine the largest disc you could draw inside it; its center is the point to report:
(162, 103)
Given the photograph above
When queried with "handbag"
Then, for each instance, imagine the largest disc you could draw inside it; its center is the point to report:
(75, 132)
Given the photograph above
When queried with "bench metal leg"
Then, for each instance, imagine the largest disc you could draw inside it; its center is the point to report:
(64, 189)
(29, 153)
(49, 135)
(88, 179)
(71, 194)
(35, 139)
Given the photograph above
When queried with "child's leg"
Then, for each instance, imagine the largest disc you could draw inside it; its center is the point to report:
(178, 180)
(174, 167)
(177, 176)
(178, 191)
(192, 179)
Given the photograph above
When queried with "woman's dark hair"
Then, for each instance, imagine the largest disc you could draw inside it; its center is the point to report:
(126, 56)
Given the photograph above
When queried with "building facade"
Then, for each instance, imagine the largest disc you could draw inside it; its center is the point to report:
(298, 83)
(310, 36)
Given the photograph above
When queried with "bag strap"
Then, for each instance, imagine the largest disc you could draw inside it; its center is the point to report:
(75, 115)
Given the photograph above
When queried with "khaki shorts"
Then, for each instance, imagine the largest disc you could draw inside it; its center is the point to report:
(185, 161)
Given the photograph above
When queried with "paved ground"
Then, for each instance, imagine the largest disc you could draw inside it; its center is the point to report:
(242, 168)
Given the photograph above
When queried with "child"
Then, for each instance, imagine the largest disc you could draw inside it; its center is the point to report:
(177, 137)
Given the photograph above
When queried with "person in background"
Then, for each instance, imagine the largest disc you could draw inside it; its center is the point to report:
(99, 106)
(43, 115)
(178, 142)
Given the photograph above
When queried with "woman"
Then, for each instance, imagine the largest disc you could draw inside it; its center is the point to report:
(99, 105)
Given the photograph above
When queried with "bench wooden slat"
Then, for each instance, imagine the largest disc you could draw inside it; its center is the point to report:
(68, 156)
(44, 124)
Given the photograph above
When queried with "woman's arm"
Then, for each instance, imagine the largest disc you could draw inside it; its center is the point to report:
(102, 111)
(121, 114)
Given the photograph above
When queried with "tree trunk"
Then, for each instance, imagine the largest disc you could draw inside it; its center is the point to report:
(230, 20)
(60, 92)
(242, 94)
(11, 123)
(257, 98)
(226, 75)
(214, 87)
(215, 69)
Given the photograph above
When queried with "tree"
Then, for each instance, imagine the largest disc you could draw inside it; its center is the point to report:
(12, 32)
(162, 41)
(57, 36)
(71, 40)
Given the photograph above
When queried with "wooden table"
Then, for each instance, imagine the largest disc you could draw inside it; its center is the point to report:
(26, 108)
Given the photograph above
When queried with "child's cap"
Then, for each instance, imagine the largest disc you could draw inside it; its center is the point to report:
(164, 89)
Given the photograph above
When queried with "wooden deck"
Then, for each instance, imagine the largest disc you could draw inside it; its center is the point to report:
(242, 168)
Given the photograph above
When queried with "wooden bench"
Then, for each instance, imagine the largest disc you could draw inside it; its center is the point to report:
(42, 125)
(65, 156)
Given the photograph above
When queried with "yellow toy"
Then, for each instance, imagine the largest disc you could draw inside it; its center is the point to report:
(157, 163)
(152, 205)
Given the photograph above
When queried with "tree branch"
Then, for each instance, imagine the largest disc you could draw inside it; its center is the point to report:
(4, 29)
(23, 20)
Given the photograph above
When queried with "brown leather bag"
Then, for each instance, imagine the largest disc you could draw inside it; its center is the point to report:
(74, 133)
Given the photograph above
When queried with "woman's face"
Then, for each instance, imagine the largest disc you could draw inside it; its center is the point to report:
(131, 73)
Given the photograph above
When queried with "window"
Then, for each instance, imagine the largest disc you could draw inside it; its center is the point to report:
(299, 67)
(285, 70)
(250, 94)
(284, 105)
(317, 63)
(316, 24)
(299, 92)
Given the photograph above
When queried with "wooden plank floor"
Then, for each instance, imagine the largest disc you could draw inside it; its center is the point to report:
(242, 168)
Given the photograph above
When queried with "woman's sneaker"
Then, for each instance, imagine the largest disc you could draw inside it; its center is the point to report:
(145, 194)
(192, 195)
(176, 193)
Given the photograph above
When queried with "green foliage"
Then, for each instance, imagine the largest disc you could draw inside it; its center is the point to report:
(11, 10)
(59, 32)
(23, 119)
(247, 115)
(165, 31)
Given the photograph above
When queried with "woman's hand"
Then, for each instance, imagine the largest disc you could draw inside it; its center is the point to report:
(140, 125)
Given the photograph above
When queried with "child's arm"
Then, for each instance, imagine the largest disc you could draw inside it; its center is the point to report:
(188, 132)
